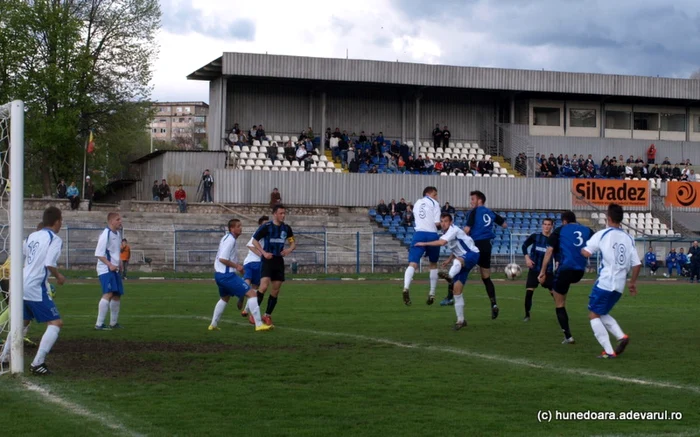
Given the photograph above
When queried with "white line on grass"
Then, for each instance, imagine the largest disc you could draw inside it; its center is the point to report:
(462, 352)
(78, 410)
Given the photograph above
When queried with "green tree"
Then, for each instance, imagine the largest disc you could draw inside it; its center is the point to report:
(80, 66)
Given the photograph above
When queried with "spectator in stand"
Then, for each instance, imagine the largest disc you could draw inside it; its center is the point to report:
(630, 160)
(521, 164)
(666, 161)
(89, 192)
(447, 166)
(155, 192)
(260, 136)
(546, 172)
(392, 208)
(676, 172)
(446, 135)
(654, 172)
(164, 191)
(405, 152)
(391, 164)
(437, 136)
(401, 164)
(275, 197)
(308, 161)
(289, 151)
(401, 207)
(438, 166)
(301, 154)
(353, 166)
(61, 189)
(382, 208)
(682, 261)
(272, 152)
(380, 140)
(429, 165)
(343, 147)
(253, 133)
(651, 154)
(672, 262)
(335, 152)
(650, 261)
(73, 196)
(374, 169)
(363, 138)
(560, 160)
(181, 199)
(408, 219)
(395, 149)
(687, 161)
(639, 160)
(447, 208)
(350, 156)
(692, 177)
(207, 183)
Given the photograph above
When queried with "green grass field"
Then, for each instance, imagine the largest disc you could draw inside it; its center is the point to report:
(348, 358)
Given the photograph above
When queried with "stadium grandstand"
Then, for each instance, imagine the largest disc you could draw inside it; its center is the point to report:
(536, 142)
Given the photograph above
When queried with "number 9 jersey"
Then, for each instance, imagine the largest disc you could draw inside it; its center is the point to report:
(567, 241)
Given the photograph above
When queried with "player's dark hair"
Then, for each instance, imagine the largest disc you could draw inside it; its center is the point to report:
(429, 190)
(479, 195)
(231, 223)
(124, 240)
(615, 213)
(263, 219)
(568, 216)
(51, 216)
(40, 226)
(276, 207)
(446, 214)
(551, 221)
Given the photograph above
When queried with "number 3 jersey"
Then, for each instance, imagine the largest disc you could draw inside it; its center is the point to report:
(567, 241)
(42, 250)
(619, 256)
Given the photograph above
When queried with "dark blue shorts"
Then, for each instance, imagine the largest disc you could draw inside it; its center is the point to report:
(112, 283)
(471, 259)
(230, 284)
(44, 311)
(252, 271)
(415, 253)
(601, 301)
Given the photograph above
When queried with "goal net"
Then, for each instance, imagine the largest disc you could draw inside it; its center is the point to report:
(11, 229)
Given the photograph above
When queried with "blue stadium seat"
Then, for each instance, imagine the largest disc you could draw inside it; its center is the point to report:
(519, 215)
(378, 218)
(527, 215)
(372, 213)
(510, 214)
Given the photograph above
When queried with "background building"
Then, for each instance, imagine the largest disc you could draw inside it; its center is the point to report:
(184, 124)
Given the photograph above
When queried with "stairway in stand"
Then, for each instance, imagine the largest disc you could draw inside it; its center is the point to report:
(506, 165)
(329, 156)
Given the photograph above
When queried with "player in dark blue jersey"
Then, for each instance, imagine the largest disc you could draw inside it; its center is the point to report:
(480, 227)
(566, 241)
(533, 260)
(275, 234)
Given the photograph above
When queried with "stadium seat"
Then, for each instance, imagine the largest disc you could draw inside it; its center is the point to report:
(265, 143)
(469, 175)
(285, 138)
(257, 167)
(284, 168)
(276, 138)
(294, 168)
(256, 142)
(409, 144)
(266, 168)
(294, 139)
(323, 158)
(254, 148)
(337, 170)
(237, 148)
(452, 174)
(460, 174)
(426, 144)
(268, 163)
(245, 149)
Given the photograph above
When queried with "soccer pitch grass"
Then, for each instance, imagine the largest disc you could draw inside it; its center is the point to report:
(348, 358)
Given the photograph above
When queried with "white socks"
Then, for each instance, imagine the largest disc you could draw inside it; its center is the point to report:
(601, 334)
(254, 309)
(433, 281)
(218, 311)
(459, 307)
(612, 326)
(102, 312)
(47, 342)
(455, 269)
(408, 277)
(114, 306)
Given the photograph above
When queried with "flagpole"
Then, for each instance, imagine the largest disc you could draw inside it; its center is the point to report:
(85, 164)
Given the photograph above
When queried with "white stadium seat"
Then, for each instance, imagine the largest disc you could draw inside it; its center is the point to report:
(511, 176)
(276, 138)
(323, 158)
(275, 169)
(284, 169)
(285, 138)
(295, 164)
(254, 148)
(469, 175)
(329, 170)
(295, 139)
(294, 169)
(337, 170)
(257, 167)
(236, 148)
(452, 174)
(504, 176)
(443, 174)
(259, 162)
(426, 144)
(460, 174)
(278, 163)
(313, 170)
(256, 142)
(266, 168)
(245, 149)
(265, 143)
(247, 167)
(268, 163)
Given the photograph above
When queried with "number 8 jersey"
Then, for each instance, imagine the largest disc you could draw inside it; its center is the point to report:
(567, 241)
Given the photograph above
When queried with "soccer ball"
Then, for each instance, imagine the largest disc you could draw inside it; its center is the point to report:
(513, 271)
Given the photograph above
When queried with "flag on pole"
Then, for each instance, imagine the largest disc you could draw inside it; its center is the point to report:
(91, 144)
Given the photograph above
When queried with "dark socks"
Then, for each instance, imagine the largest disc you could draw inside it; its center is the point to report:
(490, 290)
(563, 319)
(528, 301)
(450, 291)
(271, 303)
(260, 298)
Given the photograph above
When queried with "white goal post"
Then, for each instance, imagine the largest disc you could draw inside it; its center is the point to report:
(12, 145)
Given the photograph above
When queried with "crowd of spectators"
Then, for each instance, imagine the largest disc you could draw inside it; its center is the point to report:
(610, 167)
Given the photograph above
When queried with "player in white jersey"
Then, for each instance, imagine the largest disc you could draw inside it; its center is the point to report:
(252, 265)
(427, 215)
(42, 250)
(230, 284)
(464, 256)
(107, 253)
(619, 258)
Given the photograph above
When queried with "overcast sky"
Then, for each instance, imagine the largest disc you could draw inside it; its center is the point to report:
(636, 37)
